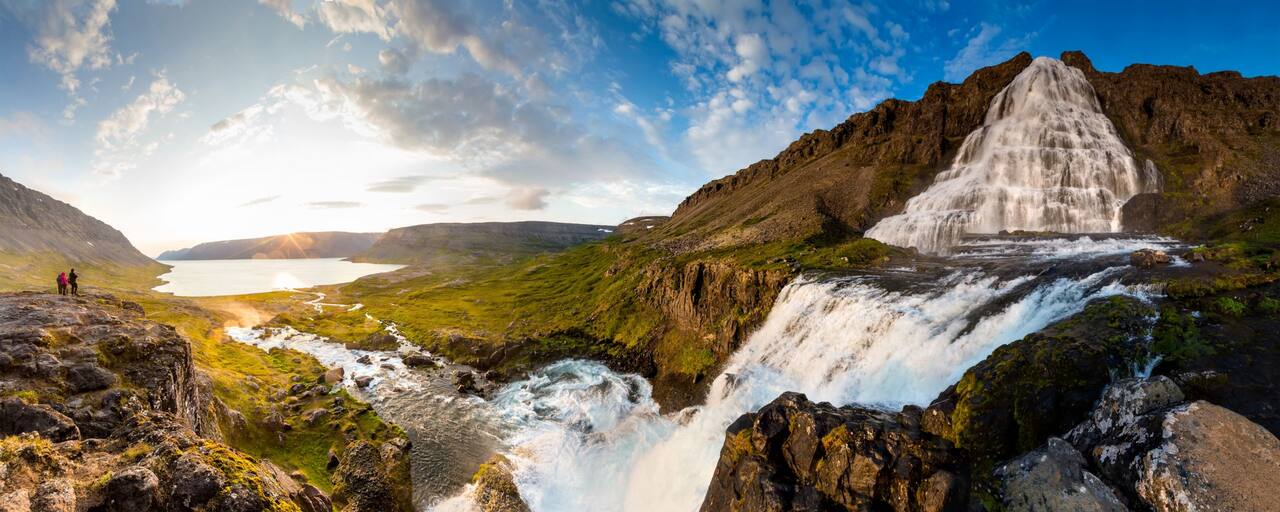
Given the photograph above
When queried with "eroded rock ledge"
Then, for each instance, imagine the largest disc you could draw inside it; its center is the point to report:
(101, 409)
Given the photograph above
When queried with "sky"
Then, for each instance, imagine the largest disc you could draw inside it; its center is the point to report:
(184, 121)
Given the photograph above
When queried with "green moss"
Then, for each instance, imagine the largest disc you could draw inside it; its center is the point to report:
(1176, 337)
(1229, 306)
(26, 395)
(1269, 305)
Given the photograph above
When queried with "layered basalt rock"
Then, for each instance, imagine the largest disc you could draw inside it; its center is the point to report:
(797, 455)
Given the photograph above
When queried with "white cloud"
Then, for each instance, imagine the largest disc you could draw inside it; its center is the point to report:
(69, 35)
(984, 48)
(285, 9)
(393, 61)
(118, 137)
(347, 16)
(527, 198)
(760, 74)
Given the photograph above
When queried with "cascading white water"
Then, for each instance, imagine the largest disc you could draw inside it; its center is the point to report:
(589, 439)
(1045, 159)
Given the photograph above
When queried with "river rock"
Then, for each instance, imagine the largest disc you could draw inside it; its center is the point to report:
(797, 455)
(1148, 258)
(1210, 458)
(1123, 425)
(465, 382)
(363, 381)
(496, 489)
(334, 375)
(416, 359)
(366, 479)
(1054, 478)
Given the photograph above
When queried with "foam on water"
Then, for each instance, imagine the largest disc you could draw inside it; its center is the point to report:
(1045, 159)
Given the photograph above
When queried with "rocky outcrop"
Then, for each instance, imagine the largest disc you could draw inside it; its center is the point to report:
(840, 180)
(78, 348)
(371, 478)
(797, 455)
(495, 488)
(1054, 478)
(1209, 458)
(104, 410)
(327, 244)
(463, 243)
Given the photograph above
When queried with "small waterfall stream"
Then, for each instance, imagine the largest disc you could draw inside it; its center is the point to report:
(1045, 159)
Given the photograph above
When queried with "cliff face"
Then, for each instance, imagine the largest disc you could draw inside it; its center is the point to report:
(1214, 137)
(461, 243)
(841, 180)
(329, 244)
(34, 223)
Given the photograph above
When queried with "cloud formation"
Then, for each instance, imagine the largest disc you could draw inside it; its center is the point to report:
(258, 201)
(285, 9)
(119, 137)
(432, 208)
(334, 205)
(527, 198)
(400, 185)
(984, 48)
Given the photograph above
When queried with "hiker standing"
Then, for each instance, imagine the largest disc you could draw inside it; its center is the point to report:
(62, 283)
(71, 279)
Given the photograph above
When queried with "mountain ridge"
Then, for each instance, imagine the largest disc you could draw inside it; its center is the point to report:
(317, 244)
(461, 242)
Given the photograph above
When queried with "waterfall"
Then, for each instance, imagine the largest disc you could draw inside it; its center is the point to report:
(586, 438)
(1045, 159)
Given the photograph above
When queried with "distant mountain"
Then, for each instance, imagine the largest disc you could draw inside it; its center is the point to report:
(477, 242)
(34, 226)
(328, 244)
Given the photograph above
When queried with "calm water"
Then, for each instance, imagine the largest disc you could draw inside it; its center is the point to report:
(203, 278)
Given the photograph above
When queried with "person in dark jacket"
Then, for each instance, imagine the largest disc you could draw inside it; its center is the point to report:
(62, 283)
(71, 279)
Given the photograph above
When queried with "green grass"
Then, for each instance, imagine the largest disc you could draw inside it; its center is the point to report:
(37, 271)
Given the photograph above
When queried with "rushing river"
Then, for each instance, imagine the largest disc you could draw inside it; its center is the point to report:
(205, 278)
(583, 437)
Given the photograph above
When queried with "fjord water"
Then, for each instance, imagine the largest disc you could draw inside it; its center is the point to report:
(205, 278)
(1045, 159)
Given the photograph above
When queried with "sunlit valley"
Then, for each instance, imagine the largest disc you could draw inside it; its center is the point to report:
(413, 255)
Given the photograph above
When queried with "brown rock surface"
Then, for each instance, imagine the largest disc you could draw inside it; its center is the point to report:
(1211, 458)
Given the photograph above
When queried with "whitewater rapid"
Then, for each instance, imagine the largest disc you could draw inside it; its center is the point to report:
(586, 438)
(1045, 159)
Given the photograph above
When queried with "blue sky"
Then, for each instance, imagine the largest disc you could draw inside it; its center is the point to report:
(186, 121)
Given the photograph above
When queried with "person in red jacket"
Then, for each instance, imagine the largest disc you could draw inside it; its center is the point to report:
(62, 283)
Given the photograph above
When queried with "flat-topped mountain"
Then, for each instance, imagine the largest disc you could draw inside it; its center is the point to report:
(480, 241)
(326, 244)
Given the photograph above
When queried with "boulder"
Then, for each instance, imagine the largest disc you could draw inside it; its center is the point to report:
(315, 417)
(17, 417)
(364, 381)
(1210, 458)
(89, 377)
(195, 482)
(496, 489)
(57, 495)
(465, 382)
(16, 501)
(133, 489)
(1148, 258)
(416, 359)
(311, 499)
(1054, 478)
(1124, 424)
(367, 480)
(797, 455)
(334, 375)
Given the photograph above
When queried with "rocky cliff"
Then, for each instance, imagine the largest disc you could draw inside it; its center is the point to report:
(327, 244)
(480, 242)
(1214, 137)
(102, 409)
(839, 181)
